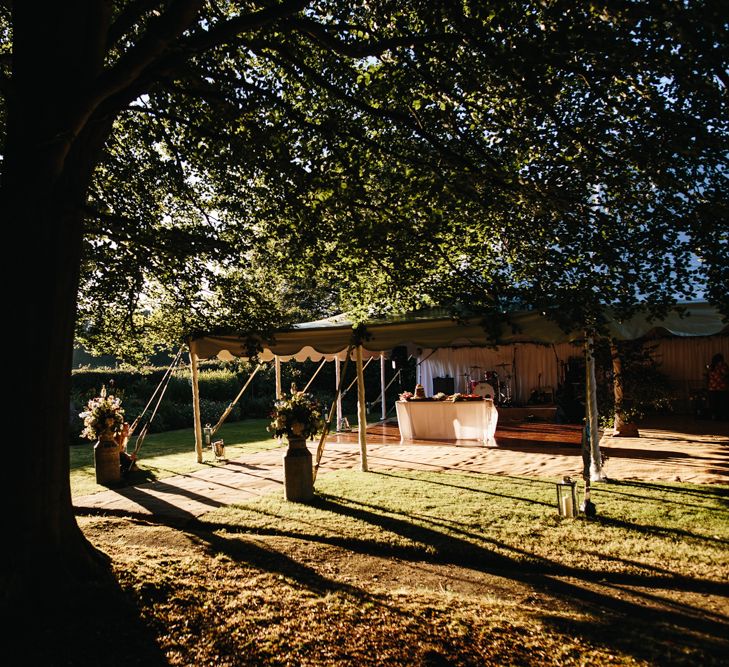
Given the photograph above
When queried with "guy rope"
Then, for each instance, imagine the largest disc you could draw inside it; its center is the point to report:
(224, 416)
(325, 432)
(158, 393)
(344, 393)
(321, 365)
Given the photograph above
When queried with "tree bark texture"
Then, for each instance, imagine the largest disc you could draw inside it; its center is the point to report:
(49, 158)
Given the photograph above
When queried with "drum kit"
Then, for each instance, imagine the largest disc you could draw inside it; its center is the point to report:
(489, 383)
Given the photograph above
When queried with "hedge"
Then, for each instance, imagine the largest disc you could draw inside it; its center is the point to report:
(219, 384)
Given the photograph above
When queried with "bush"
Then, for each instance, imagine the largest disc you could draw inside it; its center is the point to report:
(220, 382)
(219, 385)
(171, 416)
(255, 407)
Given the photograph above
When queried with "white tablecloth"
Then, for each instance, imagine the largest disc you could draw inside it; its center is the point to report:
(446, 420)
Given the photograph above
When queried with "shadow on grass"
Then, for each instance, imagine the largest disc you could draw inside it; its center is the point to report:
(720, 491)
(611, 488)
(617, 616)
(465, 488)
(92, 624)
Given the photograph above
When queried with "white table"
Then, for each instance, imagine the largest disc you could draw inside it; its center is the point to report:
(447, 420)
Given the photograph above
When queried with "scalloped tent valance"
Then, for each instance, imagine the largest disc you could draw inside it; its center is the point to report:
(330, 338)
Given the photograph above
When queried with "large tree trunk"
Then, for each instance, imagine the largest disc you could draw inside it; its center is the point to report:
(49, 158)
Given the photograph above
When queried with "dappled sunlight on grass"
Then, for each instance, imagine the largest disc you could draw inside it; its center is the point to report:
(437, 568)
(172, 453)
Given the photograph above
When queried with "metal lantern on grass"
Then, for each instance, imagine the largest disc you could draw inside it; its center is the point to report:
(208, 435)
(567, 497)
(219, 450)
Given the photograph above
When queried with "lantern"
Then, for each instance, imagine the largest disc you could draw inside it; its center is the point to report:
(208, 435)
(567, 497)
(219, 450)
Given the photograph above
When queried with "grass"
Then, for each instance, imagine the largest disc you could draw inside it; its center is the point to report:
(683, 527)
(408, 568)
(418, 568)
(172, 453)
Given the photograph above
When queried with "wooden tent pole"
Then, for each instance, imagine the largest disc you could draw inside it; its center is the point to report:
(351, 384)
(383, 388)
(277, 367)
(325, 432)
(337, 380)
(362, 411)
(196, 402)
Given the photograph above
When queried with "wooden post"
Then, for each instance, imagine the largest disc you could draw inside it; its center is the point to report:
(361, 410)
(196, 403)
(277, 366)
(592, 413)
(337, 376)
(383, 388)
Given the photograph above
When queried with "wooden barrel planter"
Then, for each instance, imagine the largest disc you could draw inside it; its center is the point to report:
(106, 462)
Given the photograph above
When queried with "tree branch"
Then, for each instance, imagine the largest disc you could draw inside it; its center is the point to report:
(160, 35)
(128, 17)
(361, 49)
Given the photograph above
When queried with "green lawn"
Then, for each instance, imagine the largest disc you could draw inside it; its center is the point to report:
(426, 569)
(172, 453)
(510, 521)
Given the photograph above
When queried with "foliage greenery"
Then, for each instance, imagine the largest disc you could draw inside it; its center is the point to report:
(646, 388)
(172, 168)
(219, 383)
(279, 174)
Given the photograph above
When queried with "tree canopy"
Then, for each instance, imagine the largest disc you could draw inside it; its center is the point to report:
(544, 154)
(176, 166)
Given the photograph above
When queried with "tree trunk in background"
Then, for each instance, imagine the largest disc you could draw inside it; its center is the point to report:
(622, 427)
(593, 418)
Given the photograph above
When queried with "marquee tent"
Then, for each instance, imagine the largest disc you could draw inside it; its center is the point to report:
(434, 328)
(333, 337)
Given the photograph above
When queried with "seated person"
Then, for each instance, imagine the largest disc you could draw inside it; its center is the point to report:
(126, 460)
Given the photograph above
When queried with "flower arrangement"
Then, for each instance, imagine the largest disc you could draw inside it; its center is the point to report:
(406, 395)
(298, 415)
(440, 396)
(103, 417)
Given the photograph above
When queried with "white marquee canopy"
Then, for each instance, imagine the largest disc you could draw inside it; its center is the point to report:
(331, 338)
